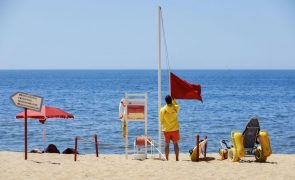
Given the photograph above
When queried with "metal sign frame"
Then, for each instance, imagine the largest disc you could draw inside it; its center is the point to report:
(27, 101)
(140, 100)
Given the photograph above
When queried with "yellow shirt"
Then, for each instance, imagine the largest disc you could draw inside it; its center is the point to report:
(168, 117)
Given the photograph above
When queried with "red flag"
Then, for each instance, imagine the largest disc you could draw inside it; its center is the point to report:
(181, 89)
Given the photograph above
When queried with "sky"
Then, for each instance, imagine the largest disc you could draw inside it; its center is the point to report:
(200, 34)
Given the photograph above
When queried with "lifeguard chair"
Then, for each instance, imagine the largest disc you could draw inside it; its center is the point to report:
(136, 110)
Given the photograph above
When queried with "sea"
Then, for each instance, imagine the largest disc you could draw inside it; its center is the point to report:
(230, 99)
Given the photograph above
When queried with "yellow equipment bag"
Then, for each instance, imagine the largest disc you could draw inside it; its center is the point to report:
(238, 139)
(223, 153)
(265, 143)
(193, 152)
(124, 127)
(238, 151)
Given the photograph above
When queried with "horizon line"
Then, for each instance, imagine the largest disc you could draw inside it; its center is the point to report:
(223, 69)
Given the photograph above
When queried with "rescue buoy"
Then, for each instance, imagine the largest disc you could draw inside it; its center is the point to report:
(122, 106)
(140, 140)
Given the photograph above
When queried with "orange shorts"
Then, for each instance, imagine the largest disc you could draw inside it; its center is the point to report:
(173, 135)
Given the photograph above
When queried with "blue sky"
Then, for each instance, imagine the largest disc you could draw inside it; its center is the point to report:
(201, 34)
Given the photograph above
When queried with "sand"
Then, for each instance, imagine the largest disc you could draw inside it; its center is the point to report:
(58, 166)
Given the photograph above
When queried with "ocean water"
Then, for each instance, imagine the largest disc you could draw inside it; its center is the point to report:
(231, 98)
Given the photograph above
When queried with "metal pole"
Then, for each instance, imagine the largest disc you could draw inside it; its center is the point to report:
(76, 148)
(159, 80)
(145, 122)
(169, 83)
(126, 140)
(96, 145)
(26, 134)
(205, 151)
(198, 142)
(125, 118)
(44, 137)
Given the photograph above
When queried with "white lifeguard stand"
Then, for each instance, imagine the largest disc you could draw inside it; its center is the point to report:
(136, 110)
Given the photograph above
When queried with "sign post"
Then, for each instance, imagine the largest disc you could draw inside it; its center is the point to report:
(27, 101)
(26, 134)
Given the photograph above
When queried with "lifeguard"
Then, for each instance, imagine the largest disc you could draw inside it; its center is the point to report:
(170, 125)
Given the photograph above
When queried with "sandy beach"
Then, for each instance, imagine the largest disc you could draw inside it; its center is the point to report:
(58, 166)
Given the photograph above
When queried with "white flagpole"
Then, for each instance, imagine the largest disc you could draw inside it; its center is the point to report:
(159, 80)
(169, 76)
(44, 137)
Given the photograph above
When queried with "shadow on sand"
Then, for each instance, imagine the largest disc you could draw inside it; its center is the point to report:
(206, 159)
(39, 162)
(254, 161)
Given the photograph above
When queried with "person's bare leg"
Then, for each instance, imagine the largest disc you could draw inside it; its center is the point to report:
(176, 150)
(167, 150)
